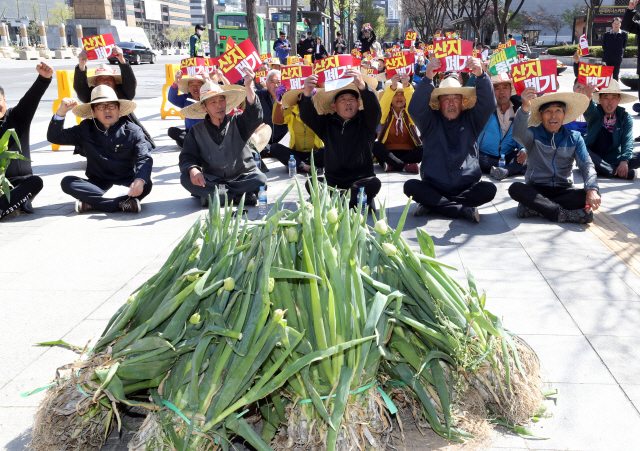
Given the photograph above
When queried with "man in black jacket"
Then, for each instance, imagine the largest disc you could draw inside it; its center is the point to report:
(118, 160)
(339, 45)
(19, 172)
(367, 37)
(632, 26)
(307, 46)
(215, 153)
(347, 132)
(124, 85)
(614, 42)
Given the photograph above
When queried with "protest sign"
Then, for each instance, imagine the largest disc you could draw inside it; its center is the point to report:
(194, 66)
(501, 62)
(99, 47)
(583, 47)
(401, 63)
(291, 60)
(242, 56)
(293, 76)
(332, 71)
(409, 38)
(261, 76)
(267, 59)
(541, 75)
(593, 74)
(510, 43)
(453, 54)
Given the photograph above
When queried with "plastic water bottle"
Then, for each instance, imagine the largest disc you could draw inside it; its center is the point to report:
(256, 158)
(502, 163)
(262, 202)
(293, 166)
(363, 195)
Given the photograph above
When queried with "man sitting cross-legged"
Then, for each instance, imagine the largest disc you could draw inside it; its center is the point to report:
(215, 151)
(116, 152)
(398, 147)
(190, 87)
(551, 150)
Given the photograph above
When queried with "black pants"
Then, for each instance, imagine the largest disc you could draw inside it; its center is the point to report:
(371, 187)
(91, 191)
(547, 200)
(449, 204)
(397, 159)
(605, 169)
(177, 134)
(283, 153)
(511, 163)
(236, 187)
(616, 69)
(25, 190)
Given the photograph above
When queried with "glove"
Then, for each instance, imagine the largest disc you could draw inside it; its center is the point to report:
(280, 90)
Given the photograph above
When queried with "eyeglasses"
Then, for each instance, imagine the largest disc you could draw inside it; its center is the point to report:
(108, 106)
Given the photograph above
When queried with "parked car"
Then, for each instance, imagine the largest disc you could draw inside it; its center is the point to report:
(135, 53)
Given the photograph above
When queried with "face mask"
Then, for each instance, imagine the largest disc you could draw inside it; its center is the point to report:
(199, 32)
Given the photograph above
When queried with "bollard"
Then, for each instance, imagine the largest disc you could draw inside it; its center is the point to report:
(65, 89)
(3, 35)
(63, 35)
(79, 34)
(43, 35)
(23, 36)
(170, 71)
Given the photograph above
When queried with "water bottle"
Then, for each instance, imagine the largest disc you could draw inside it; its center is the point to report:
(293, 166)
(262, 202)
(256, 158)
(363, 195)
(502, 163)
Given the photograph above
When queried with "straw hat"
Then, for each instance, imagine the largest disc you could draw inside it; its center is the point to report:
(101, 94)
(503, 78)
(290, 98)
(183, 84)
(323, 99)
(614, 88)
(233, 95)
(576, 105)
(260, 138)
(104, 69)
(451, 85)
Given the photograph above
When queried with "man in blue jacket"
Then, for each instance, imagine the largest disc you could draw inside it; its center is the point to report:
(282, 48)
(609, 137)
(496, 139)
(450, 124)
(190, 87)
(551, 152)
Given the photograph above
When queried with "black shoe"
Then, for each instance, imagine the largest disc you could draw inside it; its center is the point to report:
(632, 174)
(28, 208)
(580, 216)
(421, 210)
(526, 212)
(471, 213)
(251, 199)
(637, 139)
(131, 205)
(204, 202)
(372, 205)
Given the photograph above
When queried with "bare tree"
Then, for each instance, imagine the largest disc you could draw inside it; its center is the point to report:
(293, 27)
(503, 16)
(569, 15)
(475, 10)
(252, 24)
(556, 23)
(425, 15)
(591, 5)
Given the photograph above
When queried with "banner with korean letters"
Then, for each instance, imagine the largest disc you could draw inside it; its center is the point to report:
(232, 62)
(293, 76)
(332, 71)
(401, 63)
(453, 54)
(501, 62)
(542, 75)
(593, 74)
(98, 47)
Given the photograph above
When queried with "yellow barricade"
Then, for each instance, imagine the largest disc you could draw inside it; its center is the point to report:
(170, 72)
(65, 89)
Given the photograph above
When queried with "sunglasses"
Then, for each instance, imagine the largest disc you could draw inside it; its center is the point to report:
(109, 106)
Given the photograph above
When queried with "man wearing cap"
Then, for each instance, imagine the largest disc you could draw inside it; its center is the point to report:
(19, 173)
(609, 137)
(302, 140)
(116, 151)
(190, 86)
(215, 152)
(348, 133)
(451, 123)
(282, 48)
(267, 99)
(196, 47)
(496, 138)
(124, 84)
(367, 37)
(551, 151)
(398, 146)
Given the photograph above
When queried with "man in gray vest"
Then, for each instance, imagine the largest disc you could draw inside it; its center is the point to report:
(214, 152)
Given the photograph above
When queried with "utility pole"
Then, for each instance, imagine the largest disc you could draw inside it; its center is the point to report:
(268, 23)
(214, 37)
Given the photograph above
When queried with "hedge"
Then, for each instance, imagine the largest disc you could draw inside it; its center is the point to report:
(594, 52)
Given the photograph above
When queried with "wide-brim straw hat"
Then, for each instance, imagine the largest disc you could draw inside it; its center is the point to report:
(261, 137)
(101, 94)
(323, 99)
(503, 78)
(290, 98)
(451, 85)
(614, 88)
(104, 69)
(233, 95)
(183, 84)
(576, 105)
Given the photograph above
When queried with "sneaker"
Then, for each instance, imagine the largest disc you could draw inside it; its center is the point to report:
(131, 205)
(580, 216)
(412, 168)
(28, 208)
(498, 173)
(632, 174)
(421, 210)
(251, 199)
(526, 212)
(82, 207)
(471, 213)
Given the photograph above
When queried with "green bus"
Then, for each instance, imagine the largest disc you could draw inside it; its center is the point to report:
(234, 26)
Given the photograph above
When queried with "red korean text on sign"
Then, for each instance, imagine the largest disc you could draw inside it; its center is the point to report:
(332, 68)
(542, 75)
(401, 63)
(453, 54)
(583, 47)
(592, 74)
(211, 65)
(293, 76)
(98, 47)
(266, 58)
(409, 38)
(261, 76)
(510, 43)
(194, 66)
(242, 56)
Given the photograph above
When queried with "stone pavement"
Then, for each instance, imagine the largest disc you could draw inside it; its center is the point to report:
(556, 285)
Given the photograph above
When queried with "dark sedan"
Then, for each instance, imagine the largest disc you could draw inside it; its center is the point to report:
(135, 53)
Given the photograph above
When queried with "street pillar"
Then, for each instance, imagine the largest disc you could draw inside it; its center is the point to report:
(24, 40)
(43, 34)
(63, 35)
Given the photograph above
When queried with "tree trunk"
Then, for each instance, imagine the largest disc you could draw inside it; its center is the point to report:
(252, 25)
(590, 25)
(293, 32)
(332, 27)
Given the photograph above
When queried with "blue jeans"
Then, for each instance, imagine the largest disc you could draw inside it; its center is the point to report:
(283, 60)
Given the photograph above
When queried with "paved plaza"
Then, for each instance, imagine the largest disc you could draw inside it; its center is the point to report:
(559, 286)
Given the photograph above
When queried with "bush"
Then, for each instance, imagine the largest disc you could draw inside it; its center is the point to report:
(632, 40)
(594, 52)
(565, 50)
